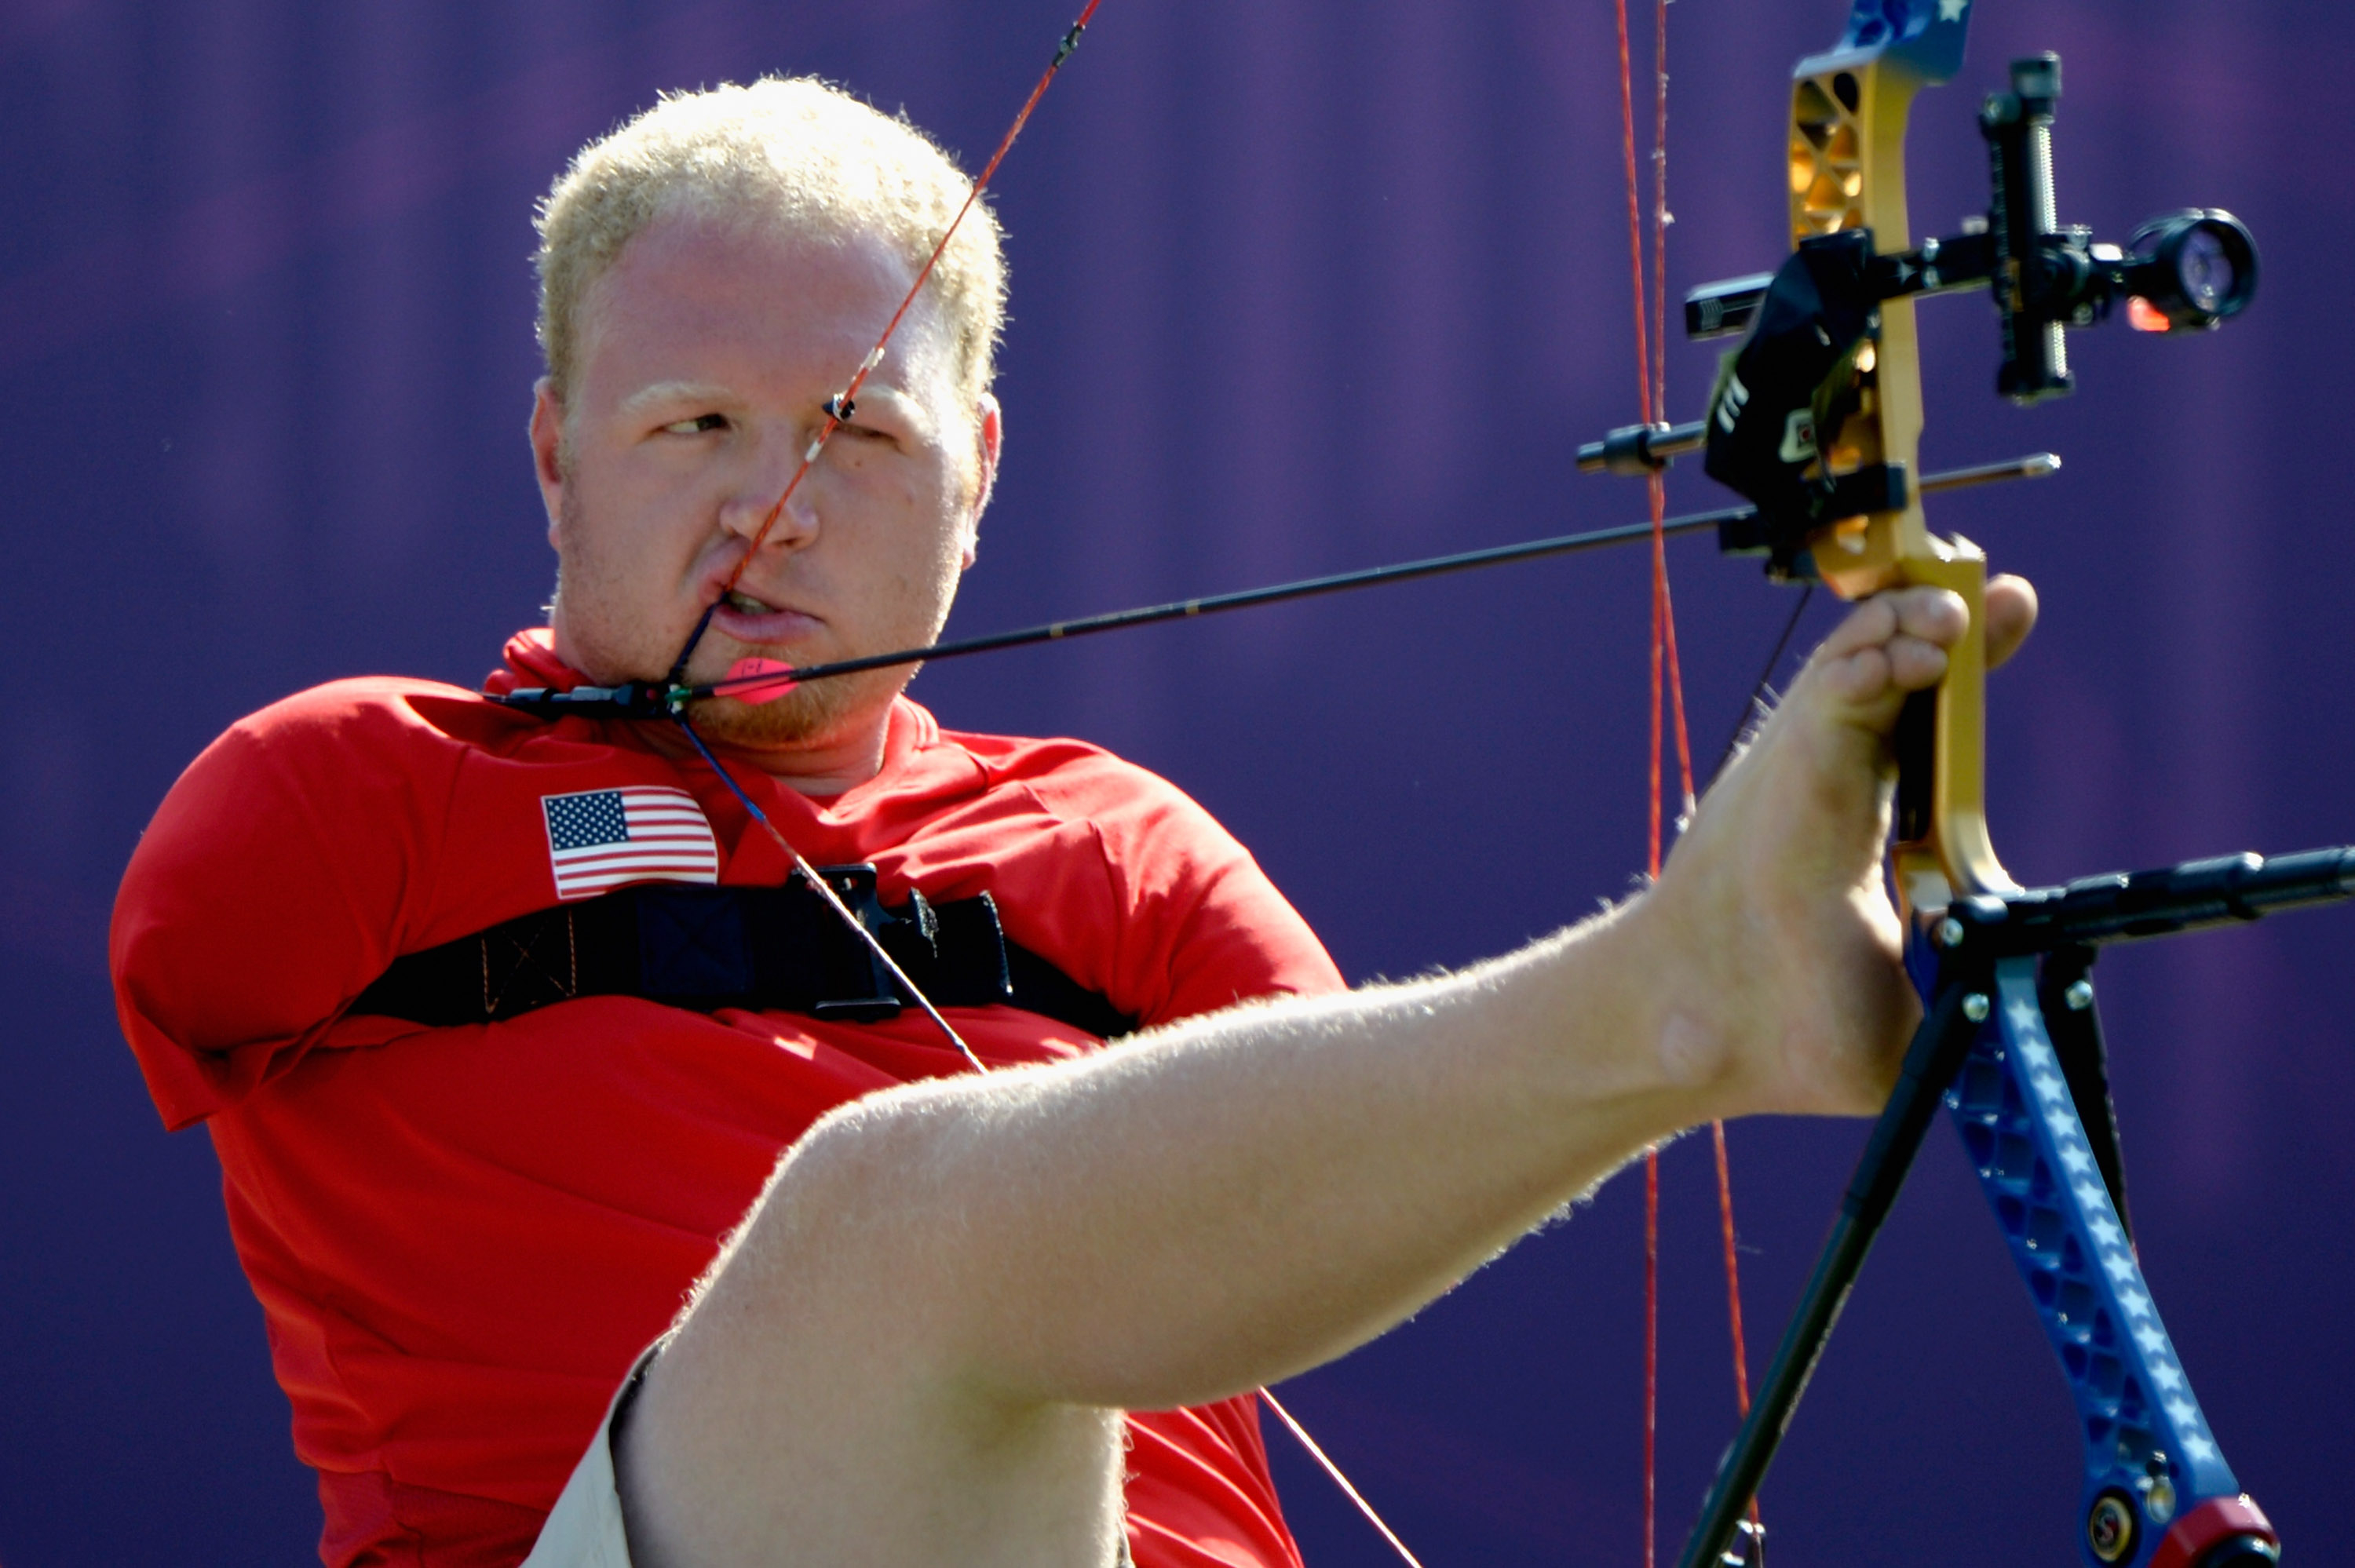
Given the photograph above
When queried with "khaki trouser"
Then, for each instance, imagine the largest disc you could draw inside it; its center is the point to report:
(584, 1529)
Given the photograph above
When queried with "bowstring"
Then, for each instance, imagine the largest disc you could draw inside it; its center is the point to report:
(1667, 703)
(810, 875)
(1316, 1452)
(838, 410)
(818, 884)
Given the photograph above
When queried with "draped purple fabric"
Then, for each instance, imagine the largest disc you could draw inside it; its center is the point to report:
(1298, 286)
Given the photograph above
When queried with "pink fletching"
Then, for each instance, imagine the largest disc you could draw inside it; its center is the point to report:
(780, 680)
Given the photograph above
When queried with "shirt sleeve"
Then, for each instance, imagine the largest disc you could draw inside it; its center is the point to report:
(267, 890)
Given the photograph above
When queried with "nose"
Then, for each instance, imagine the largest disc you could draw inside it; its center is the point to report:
(785, 489)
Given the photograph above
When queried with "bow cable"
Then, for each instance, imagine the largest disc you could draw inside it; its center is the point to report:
(1654, 490)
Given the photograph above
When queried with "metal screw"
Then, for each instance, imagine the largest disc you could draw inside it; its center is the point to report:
(1975, 1007)
(2079, 996)
(2110, 1528)
(1949, 932)
(2158, 1499)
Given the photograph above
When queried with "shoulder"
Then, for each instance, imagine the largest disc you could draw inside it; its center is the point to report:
(363, 735)
(1073, 779)
(350, 785)
(370, 739)
(378, 714)
(1172, 916)
(1150, 832)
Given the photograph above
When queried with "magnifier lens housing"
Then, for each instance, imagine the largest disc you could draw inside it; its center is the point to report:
(2196, 267)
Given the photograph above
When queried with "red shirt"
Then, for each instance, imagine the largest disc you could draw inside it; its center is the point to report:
(462, 1237)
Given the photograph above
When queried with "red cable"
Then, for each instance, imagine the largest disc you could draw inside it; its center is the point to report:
(1635, 218)
(1645, 399)
(1732, 1270)
(1651, 1351)
(1676, 675)
(1659, 407)
(1667, 681)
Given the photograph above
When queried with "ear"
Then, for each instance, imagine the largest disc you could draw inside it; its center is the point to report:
(548, 451)
(990, 442)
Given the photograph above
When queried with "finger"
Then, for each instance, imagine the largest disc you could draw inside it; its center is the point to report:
(2010, 616)
(1857, 656)
(1858, 678)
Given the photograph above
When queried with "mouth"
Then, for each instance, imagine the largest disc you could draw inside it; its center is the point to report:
(752, 620)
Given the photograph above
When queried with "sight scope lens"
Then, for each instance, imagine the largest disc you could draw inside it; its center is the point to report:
(2205, 272)
(2195, 268)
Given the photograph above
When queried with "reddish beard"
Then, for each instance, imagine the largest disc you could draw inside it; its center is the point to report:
(816, 712)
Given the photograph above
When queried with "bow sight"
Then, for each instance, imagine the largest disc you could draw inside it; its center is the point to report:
(1808, 360)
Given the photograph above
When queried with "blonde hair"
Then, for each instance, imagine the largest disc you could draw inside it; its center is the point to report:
(794, 150)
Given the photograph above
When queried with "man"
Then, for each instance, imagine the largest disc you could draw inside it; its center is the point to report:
(907, 1304)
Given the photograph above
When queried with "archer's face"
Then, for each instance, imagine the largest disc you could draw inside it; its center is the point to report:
(707, 355)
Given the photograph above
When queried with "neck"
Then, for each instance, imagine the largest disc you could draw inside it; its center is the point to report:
(820, 769)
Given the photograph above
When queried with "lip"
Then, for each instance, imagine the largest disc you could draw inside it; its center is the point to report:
(774, 629)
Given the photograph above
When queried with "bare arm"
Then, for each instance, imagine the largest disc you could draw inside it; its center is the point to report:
(954, 1279)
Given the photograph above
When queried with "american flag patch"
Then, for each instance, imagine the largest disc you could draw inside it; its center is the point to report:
(600, 838)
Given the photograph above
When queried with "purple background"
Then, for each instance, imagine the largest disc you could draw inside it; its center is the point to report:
(1299, 286)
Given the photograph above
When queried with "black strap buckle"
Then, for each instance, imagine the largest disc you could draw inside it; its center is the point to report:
(857, 968)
